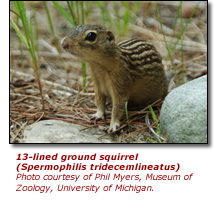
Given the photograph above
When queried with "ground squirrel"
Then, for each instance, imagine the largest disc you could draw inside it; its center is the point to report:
(130, 71)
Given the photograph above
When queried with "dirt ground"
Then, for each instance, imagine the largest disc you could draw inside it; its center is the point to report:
(61, 73)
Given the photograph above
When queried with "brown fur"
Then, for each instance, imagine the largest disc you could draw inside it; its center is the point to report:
(116, 74)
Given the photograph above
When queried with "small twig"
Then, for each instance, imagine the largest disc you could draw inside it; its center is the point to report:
(26, 96)
(135, 132)
(18, 131)
(151, 129)
(82, 123)
(45, 54)
(18, 73)
(159, 36)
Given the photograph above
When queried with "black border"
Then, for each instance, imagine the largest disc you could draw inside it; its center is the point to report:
(81, 145)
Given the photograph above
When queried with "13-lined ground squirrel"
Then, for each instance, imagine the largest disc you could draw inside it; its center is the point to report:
(130, 71)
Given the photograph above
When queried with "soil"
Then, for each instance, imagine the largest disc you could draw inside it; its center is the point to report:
(63, 97)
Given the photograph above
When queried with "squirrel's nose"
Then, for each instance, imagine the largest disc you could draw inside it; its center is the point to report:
(65, 43)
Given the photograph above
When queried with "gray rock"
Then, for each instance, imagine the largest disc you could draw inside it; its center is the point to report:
(183, 116)
(55, 131)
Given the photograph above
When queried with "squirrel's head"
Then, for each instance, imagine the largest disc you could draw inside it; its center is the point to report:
(88, 41)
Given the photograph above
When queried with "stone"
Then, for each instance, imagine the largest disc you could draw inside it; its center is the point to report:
(55, 131)
(183, 116)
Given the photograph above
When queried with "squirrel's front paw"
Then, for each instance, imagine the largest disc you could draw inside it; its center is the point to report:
(114, 126)
(98, 116)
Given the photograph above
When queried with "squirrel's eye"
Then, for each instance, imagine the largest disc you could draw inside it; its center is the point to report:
(91, 36)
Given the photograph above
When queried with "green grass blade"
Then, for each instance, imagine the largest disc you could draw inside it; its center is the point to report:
(127, 15)
(117, 21)
(82, 12)
(151, 140)
(129, 11)
(20, 44)
(175, 22)
(19, 33)
(29, 40)
(51, 25)
(64, 12)
(105, 14)
(77, 11)
(21, 11)
(31, 33)
(154, 118)
(185, 27)
(36, 32)
(72, 12)
(167, 47)
(136, 6)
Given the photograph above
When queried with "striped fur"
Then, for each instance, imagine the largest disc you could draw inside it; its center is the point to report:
(137, 53)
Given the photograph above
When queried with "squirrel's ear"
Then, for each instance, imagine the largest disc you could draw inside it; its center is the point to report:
(110, 36)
